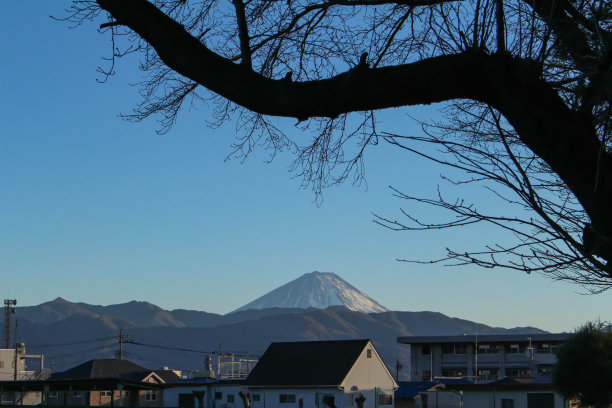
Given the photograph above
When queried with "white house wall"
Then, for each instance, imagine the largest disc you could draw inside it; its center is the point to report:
(368, 376)
(369, 373)
(171, 395)
(486, 399)
(313, 397)
(225, 390)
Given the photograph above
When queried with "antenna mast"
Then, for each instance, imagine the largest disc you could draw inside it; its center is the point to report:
(9, 310)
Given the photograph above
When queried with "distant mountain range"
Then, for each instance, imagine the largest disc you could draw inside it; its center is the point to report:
(71, 333)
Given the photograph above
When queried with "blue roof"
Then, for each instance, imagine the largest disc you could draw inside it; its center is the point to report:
(410, 389)
(193, 381)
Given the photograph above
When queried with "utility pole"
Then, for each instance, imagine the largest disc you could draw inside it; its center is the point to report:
(476, 359)
(120, 344)
(398, 368)
(122, 339)
(9, 310)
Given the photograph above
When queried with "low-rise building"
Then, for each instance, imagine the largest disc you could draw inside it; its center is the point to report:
(321, 374)
(111, 368)
(13, 368)
(307, 374)
(482, 358)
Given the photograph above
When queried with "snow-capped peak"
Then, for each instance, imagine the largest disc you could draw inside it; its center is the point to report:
(318, 290)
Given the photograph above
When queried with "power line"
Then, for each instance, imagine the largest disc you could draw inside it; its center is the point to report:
(75, 353)
(168, 347)
(235, 354)
(70, 344)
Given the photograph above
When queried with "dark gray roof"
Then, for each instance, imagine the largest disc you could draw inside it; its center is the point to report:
(484, 338)
(167, 375)
(306, 363)
(104, 368)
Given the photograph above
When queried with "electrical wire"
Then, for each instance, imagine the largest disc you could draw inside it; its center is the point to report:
(77, 353)
(72, 344)
(236, 354)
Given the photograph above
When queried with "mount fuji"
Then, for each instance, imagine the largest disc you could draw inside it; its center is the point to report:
(318, 290)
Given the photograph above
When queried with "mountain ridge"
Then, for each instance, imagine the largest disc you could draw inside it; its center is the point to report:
(255, 335)
(318, 290)
(315, 306)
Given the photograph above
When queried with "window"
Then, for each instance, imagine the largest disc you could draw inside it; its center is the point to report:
(52, 394)
(426, 375)
(218, 395)
(286, 398)
(507, 403)
(369, 353)
(256, 397)
(454, 372)
(426, 350)
(151, 396)
(106, 393)
(517, 372)
(546, 347)
(230, 398)
(488, 348)
(385, 399)
(454, 348)
(126, 393)
(517, 348)
(487, 374)
(1, 364)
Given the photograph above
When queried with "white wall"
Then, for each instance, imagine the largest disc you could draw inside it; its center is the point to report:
(313, 397)
(485, 399)
(7, 367)
(171, 395)
(368, 376)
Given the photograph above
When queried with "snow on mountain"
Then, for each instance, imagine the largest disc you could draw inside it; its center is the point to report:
(318, 290)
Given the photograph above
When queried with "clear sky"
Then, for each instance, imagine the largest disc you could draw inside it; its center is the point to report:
(100, 210)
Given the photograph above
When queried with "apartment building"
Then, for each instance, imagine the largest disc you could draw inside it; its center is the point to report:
(482, 358)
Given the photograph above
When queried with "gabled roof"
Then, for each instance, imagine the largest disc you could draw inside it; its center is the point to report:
(167, 375)
(306, 363)
(104, 368)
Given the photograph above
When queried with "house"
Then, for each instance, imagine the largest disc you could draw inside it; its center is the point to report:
(408, 393)
(321, 374)
(482, 358)
(101, 369)
(103, 382)
(511, 393)
(204, 393)
(419, 394)
(456, 393)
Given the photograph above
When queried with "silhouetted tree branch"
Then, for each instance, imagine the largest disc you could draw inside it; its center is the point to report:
(532, 77)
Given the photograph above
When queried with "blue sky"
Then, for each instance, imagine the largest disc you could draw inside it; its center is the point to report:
(100, 210)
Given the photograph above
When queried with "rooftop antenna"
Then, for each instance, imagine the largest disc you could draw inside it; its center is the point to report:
(9, 310)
